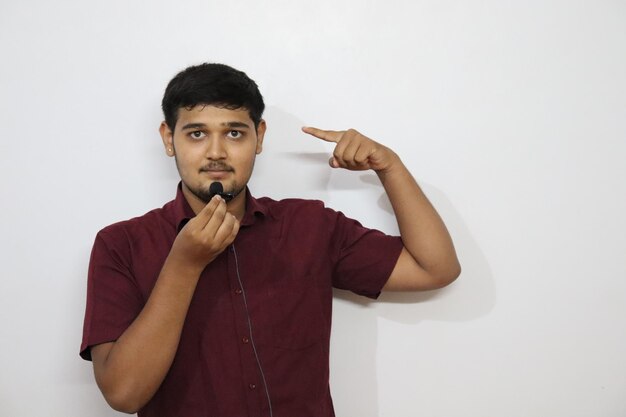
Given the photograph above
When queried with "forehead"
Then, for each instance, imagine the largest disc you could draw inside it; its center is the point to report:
(212, 116)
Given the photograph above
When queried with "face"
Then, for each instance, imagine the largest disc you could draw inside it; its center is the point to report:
(213, 144)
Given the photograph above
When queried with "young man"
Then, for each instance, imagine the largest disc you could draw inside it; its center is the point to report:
(220, 304)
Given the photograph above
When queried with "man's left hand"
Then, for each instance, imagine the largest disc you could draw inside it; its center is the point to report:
(355, 151)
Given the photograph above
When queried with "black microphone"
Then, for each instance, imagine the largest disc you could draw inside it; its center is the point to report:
(217, 188)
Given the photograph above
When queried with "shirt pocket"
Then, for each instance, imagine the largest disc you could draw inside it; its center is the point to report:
(289, 313)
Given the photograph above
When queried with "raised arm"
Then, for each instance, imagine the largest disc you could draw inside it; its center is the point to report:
(131, 369)
(428, 260)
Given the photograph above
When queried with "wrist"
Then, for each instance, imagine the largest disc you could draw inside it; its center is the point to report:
(393, 165)
(183, 267)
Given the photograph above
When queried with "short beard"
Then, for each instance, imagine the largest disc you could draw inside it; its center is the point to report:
(205, 195)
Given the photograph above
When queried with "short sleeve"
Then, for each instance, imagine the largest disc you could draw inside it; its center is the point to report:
(365, 257)
(113, 298)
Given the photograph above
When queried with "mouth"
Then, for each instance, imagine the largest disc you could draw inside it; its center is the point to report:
(219, 168)
(215, 174)
(216, 171)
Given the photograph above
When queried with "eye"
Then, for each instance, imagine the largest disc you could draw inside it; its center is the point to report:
(235, 134)
(197, 134)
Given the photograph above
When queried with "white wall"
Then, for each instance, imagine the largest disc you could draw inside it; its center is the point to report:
(512, 115)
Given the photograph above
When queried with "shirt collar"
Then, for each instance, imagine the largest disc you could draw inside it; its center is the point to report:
(254, 209)
(182, 211)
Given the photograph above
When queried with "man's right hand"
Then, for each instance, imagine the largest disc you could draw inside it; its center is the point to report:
(205, 236)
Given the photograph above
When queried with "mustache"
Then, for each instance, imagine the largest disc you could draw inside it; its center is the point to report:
(216, 166)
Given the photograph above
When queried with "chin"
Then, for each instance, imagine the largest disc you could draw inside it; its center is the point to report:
(204, 194)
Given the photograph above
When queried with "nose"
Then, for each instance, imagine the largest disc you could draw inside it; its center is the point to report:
(215, 148)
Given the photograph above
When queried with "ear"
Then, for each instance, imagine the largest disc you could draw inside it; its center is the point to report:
(260, 134)
(168, 138)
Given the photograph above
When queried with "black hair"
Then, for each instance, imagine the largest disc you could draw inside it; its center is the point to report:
(212, 84)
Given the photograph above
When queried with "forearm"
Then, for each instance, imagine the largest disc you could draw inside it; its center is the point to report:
(138, 361)
(423, 233)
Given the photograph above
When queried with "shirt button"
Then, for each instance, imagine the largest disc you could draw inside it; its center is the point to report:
(245, 339)
(238, 291)
(252, 386)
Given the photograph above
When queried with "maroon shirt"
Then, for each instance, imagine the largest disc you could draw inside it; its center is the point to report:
(288, 255)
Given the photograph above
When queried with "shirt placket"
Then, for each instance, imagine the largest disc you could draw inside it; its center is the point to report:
(251, 377)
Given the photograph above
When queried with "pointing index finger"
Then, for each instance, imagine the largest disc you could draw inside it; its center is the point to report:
(327, 135)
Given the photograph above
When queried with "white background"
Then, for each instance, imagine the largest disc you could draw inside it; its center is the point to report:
(511, 115)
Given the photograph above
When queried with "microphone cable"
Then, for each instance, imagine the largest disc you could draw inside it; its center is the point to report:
(256, 354)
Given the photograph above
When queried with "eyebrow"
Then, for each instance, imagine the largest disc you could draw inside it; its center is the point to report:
(227, 124)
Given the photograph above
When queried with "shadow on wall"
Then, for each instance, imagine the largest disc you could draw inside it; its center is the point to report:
(355, 334)
(293, 165)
